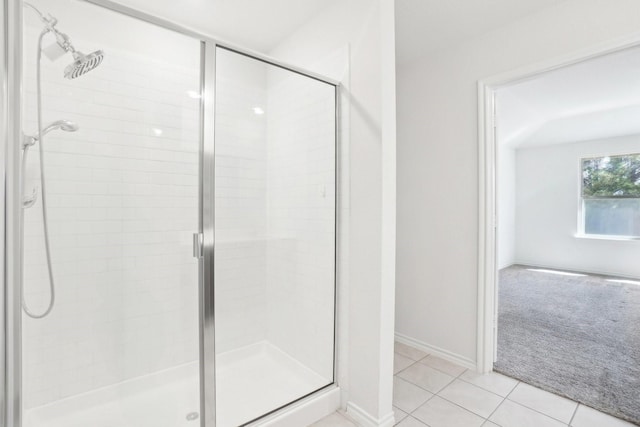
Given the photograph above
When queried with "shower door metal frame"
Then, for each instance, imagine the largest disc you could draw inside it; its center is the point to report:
(12, 274)
(10, 299)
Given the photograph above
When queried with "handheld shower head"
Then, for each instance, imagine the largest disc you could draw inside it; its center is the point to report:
(82, 63)
(65, 125)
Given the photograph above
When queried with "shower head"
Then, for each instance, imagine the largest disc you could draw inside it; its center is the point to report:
(65, 125)
(82, 63)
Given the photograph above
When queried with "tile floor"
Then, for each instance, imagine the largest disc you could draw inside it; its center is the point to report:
(432, 392)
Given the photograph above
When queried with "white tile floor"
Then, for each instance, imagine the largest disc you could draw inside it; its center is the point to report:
(432, 392)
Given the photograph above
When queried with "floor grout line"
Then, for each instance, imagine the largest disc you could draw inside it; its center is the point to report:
(575, 411)
(462, 407)
(494, 411)
(503, 398)
(486, 389)
(440, 370)
(535, 410)
(540, 412)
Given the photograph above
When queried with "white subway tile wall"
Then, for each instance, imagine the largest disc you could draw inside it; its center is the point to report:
(301, 218)
(278, 129)
(240, 196)
(122, 204)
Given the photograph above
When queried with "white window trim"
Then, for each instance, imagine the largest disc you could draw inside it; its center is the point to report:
(581, 211)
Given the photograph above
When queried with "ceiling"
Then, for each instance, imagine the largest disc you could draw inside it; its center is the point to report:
(423, 26)
(258, 25)
(594, 99)
(255, 24)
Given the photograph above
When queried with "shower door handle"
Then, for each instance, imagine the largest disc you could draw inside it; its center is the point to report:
(198, 245)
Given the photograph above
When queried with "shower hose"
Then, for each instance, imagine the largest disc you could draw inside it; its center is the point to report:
(43, 192)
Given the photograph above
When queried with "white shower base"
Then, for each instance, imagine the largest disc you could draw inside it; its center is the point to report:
(251, 381)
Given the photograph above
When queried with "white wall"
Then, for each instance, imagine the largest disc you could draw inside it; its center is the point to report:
(438, 161)
(548, 191)
(506, 206)
(366, 292)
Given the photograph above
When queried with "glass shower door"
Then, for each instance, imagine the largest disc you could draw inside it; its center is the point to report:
(275, 219)
(120, 347)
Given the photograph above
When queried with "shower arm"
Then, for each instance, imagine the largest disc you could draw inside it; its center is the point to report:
(50, 23)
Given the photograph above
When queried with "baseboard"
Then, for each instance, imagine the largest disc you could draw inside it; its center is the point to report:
(437, 351)
(575, 270)
(364, 419)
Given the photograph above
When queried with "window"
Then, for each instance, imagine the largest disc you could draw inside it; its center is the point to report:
(611, 195)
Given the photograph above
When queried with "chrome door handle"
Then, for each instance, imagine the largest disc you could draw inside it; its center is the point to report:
(198, 244)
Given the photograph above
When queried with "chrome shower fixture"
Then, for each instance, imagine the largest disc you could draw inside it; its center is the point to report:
(65, 125)
(82, 63)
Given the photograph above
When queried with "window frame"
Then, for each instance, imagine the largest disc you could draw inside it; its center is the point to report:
(581, 200)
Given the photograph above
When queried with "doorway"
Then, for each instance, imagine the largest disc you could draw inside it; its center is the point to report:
(559, 290)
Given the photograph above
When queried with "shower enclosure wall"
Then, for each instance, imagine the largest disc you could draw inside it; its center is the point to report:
(192, 220)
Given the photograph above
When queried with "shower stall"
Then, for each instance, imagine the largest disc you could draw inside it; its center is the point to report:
(176, 263)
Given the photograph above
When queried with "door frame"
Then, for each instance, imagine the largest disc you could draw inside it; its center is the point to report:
(488, 221)
(10, 299)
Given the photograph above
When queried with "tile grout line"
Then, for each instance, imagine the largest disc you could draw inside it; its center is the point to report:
(486, 389)
(453, 378)
(403, 369)
(470, 411)
(575, 411)
(409, 413)
(447, 385)
(542, 413)
(482, 388)
(462, 407)
(503, 400)
(453, 403)
(494, 411)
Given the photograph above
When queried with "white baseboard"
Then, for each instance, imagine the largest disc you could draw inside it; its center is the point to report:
(552, 266)
(436, 351)
(364, 419)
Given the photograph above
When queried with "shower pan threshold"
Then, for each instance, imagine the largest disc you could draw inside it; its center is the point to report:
(251, 381)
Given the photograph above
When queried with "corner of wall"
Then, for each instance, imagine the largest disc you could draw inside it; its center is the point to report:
(364, 419)
(437, 351)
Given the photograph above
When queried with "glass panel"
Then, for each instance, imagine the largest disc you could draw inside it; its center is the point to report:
(611, 176)
(613, 217)
(275, 237)
(120, 345)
